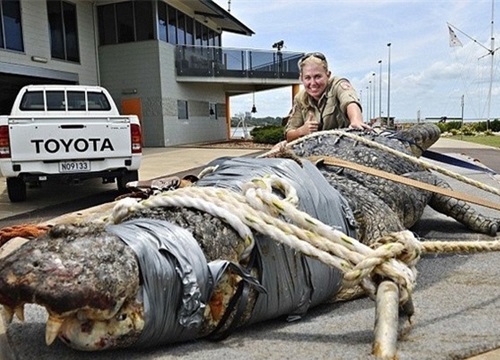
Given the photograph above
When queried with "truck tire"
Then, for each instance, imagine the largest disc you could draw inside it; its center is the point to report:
(125, 178)
(16, 189)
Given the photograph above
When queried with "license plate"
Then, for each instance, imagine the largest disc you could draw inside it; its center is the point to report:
(74, 166)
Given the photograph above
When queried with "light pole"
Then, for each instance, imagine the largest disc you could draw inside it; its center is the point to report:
(380, 91)
(367, 104)
(370, 102)
(462, 122)
(374, 96)
(389, 86)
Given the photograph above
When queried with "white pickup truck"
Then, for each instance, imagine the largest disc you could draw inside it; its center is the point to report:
(69, 132)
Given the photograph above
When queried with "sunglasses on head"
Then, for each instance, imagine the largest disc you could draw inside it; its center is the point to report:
(312, 54)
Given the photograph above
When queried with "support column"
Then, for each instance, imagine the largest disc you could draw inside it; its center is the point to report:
(228, 117)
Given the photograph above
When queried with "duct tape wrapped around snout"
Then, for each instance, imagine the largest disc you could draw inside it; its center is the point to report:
(177, 281)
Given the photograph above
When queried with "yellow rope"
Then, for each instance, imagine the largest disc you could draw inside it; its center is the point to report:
(443, 247)
(374, 144)
(393, 256)
(307, 235)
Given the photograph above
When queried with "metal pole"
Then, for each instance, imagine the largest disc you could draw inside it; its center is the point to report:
(380, 91)
(374, 95)
(462, 124)
(492, 51)
(369, 101)
(388, 115)
(367, 105)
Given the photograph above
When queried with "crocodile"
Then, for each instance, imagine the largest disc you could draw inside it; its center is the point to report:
(382, 206)
(160, 270)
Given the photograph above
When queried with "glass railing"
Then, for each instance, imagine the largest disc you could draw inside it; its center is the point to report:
(241, 63)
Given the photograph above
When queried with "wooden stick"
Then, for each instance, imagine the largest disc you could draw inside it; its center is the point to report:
(386, 321)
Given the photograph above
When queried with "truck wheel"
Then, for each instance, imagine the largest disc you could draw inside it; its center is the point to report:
(16, 189)
(125, 178)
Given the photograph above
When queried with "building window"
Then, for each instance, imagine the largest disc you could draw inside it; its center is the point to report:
(63, 30)
(162, 22)
(143, 12)
(178, 28)
(182, 110)
(212, 110)
(181, 28)
(11, 32)
(198, 33)
(172, 24)
(124, 22)
(189, 31)
(129, 21)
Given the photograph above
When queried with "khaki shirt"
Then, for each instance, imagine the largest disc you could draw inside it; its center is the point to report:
(331, 109)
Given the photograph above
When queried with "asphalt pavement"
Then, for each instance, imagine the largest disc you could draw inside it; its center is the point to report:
(457, 297)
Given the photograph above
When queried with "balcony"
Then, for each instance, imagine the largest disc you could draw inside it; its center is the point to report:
(249, 65)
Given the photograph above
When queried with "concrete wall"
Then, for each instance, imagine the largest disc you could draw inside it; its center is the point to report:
(148, 67)
(36, 43)
(134, 67)
(199, 127)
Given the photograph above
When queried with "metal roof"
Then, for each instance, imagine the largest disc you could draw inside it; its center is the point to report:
(221, 17)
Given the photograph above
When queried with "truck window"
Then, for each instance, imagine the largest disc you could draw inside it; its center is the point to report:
(55, 100)
(76, 100)
(98, 101)
(32, 100)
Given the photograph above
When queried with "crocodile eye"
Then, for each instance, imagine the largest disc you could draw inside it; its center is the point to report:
(121, 317)
(80, 315)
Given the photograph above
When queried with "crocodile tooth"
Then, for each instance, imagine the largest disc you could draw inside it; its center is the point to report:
(54, 324)
(20, 312)
(8, 313)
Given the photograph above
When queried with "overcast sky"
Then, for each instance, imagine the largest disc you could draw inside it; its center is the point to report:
(426, 74)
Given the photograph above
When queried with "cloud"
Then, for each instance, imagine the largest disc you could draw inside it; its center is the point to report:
(426, 74)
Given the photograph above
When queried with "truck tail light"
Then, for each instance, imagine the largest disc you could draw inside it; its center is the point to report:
(136, 136)
(4, 142)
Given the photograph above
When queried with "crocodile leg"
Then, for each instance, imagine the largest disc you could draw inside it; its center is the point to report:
(457, 209)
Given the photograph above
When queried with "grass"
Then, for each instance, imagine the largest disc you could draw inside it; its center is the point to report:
(483, 140)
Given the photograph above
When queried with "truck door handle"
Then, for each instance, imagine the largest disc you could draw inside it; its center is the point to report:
(76, 126)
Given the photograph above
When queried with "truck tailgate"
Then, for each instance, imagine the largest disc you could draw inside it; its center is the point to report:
(69, 138)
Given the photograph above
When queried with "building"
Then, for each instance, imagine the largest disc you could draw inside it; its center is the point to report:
(160, 59)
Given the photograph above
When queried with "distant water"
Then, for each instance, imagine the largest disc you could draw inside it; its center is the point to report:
(241, 133)
(406, 121)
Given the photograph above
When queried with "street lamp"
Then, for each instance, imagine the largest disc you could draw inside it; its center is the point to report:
(389, 86)
(380, 91)
(374, 96)
(367, 104)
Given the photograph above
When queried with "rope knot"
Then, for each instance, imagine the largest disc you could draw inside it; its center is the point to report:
(411, 250)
